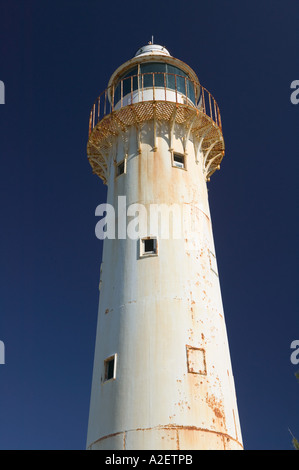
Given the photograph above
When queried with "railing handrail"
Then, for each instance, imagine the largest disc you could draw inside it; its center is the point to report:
(105, 103)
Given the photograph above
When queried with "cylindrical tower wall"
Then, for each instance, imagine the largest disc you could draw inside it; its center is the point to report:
(160, 314)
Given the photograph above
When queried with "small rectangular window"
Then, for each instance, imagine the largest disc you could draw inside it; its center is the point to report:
(109, 368)
(148, 246)
(178, 160)
(120, 168)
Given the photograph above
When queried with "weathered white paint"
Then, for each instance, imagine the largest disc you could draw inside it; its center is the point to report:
(152, 49)
(148, 94)
(162, 315)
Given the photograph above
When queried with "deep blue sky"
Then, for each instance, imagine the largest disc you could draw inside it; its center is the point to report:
(55, 59)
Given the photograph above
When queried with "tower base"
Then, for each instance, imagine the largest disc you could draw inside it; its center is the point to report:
(167, 438)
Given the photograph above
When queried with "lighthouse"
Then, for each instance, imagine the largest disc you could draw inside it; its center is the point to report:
(162, 373)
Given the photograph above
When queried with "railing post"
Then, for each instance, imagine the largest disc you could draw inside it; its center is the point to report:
(216, 120)
(105, 102)
(219, 117)
(165, 85)
(154, 94)
(90, 121)
(203, 100)
(112, 104)
(121, 93)
(186, 93)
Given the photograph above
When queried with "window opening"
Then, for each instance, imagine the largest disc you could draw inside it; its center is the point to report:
(120, 168)
(149, 246)
(178, 160)
(109, 368)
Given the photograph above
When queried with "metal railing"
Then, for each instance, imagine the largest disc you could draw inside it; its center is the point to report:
(154, 86)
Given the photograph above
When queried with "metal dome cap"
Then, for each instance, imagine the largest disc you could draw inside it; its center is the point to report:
(152, 49)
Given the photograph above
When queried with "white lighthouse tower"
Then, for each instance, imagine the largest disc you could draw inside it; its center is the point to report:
(162, 375)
